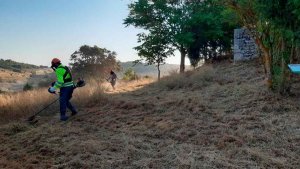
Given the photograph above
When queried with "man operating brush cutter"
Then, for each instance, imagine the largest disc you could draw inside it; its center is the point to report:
(66, 85)
(33, 120)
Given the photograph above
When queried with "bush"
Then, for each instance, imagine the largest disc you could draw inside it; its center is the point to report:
(27, 87)
(173, 72)
(130, 75)
(17, 70)
(147, 77)
(1, 92)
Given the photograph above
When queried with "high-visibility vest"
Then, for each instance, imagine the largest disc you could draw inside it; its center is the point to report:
(64, 77)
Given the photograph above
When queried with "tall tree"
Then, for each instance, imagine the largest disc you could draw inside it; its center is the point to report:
(154, 49)
(194, 27)
(166, 16)
(249, 17)
(212, 27)
(91, 61)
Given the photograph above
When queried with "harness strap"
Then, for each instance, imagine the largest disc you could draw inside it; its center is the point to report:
(66, 74)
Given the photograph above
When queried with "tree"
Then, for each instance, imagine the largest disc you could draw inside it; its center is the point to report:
(281, 37)
(249, 17)
(90, 60)
(164, 16)
(154, 49)
(212, 27)
(194, 27)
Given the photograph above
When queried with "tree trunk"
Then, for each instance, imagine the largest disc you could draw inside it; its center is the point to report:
(289, 75)
(267, 61)
(282, 78)
(282, 85)
(285, 76)
(182, 59)
(158, 72)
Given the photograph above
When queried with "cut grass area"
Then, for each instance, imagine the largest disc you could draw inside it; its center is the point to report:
(220, 116)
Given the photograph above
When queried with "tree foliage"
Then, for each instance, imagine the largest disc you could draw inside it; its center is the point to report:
(94, 61)
(163, 16)
(203, 29)
(195, 27)
(154, 50)
(212, 27)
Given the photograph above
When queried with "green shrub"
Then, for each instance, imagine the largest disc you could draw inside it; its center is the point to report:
(1, 92)
(130, 75)
(27, 87)
(147, 77)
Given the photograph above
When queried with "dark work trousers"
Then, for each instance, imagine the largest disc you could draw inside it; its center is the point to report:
(64, 100)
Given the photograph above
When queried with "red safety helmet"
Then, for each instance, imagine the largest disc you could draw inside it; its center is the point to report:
(55, 61)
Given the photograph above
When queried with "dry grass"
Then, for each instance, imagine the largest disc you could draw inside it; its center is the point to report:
(12, 77)
(17, 105)
(193, 80)
(221, 116)
(14, 106)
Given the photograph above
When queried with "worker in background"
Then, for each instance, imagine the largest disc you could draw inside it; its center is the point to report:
(112, 79)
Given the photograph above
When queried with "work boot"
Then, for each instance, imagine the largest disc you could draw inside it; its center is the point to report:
(64, 118)
(74, 113)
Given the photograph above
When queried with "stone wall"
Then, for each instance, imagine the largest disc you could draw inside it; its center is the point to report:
(244, 45)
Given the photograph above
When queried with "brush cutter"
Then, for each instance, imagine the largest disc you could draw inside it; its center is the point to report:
(80, 83)
(31, 119)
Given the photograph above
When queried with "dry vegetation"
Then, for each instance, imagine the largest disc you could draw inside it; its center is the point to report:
(7, 75)
(16, 106)
(11, 81)
(220, 116)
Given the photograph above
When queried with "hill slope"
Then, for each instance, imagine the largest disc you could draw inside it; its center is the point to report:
(220, 116)
(15, 66)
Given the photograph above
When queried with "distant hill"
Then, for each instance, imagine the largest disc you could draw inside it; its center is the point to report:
(15, 66)
(143, 70)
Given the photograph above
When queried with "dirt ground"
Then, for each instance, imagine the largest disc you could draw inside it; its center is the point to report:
(220, 116)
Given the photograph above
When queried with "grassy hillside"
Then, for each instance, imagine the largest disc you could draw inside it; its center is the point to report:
(15, 66)
(15, 75)
(220, 116)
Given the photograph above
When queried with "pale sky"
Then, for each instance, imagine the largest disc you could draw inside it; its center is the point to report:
(35, 31)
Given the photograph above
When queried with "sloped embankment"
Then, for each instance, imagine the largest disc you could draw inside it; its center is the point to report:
(220, 116)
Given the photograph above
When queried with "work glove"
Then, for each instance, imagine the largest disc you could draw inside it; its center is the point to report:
(51, 90)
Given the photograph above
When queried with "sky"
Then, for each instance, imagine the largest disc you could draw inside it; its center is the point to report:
(35, 31)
